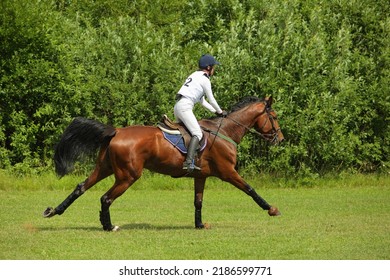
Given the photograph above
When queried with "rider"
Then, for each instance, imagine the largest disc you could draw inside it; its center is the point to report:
(193, 91)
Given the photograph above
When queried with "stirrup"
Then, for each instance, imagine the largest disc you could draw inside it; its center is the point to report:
(190, 166)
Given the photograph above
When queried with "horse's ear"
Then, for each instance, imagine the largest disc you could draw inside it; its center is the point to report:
(269, 101)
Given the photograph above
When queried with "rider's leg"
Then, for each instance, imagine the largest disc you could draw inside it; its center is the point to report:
(189, 163)
(183, 112)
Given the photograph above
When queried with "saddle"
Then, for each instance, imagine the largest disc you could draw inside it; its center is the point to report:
(178, 135)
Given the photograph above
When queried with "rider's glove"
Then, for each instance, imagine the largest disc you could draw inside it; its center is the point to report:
(223, 114)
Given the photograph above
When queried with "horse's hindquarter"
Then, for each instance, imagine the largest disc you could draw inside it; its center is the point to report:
(145, 147)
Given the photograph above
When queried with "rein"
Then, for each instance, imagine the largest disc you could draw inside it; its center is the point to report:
(217, 133)
(252, 130)
(266, 136)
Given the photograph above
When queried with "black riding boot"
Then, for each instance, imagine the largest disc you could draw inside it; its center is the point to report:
(189, 163)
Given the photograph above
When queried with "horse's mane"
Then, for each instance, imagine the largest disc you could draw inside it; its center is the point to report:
(241, 104)
(245, 102)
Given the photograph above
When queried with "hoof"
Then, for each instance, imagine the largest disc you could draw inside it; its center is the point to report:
(49, 212)
(112, 228)
(203, 226)
(274, 212)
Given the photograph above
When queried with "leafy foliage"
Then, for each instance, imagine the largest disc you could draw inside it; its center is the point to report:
(122, 62)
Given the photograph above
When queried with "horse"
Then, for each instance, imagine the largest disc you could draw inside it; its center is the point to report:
(126, 151)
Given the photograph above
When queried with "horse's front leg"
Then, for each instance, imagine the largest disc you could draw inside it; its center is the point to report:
(272, 211)
(78, 191)
(199, 184)
(238, 182)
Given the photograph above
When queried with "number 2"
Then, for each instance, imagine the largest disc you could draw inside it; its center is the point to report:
(189, 80)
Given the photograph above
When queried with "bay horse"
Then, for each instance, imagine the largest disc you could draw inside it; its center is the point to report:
(126, 151)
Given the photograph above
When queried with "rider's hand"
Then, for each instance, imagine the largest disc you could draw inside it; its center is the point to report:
(223, 114)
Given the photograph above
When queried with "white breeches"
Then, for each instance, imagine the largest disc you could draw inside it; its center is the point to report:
(183, 112)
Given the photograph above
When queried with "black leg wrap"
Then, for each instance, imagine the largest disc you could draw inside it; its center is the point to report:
(198, 219)
(70, 199)
(105, 219)
(259, 200)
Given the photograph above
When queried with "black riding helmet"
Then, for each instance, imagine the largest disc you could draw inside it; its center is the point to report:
(207, 60)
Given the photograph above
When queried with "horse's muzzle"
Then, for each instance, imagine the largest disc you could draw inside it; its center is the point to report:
(278, 138)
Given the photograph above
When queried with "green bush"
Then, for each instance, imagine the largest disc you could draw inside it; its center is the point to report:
(120, 62)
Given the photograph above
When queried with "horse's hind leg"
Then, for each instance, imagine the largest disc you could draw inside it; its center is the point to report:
(99, 174)
(108, 198)
(78, 191)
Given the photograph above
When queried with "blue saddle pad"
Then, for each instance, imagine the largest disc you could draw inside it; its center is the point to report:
(177, 140)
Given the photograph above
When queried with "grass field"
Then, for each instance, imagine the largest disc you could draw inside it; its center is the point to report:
(345, 218)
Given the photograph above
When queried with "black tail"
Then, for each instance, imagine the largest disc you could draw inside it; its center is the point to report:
(80, 139)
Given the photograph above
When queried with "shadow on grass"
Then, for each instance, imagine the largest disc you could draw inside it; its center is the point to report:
(135, 226)
(68, 228)
(144, 226)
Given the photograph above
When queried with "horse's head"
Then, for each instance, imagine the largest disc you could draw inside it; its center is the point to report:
(267, 124)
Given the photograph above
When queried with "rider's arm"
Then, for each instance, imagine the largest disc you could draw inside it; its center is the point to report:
(207, 105)
(209, 94)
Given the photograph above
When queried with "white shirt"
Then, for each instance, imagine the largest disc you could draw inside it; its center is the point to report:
(196, 87)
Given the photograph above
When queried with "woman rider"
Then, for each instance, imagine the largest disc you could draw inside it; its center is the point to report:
(193, 91)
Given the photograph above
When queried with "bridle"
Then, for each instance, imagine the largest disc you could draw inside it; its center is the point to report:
(272, 137)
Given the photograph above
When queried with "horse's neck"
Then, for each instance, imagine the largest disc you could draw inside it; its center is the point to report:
(238, 123)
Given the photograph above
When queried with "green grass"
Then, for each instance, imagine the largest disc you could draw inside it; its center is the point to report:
(331, 219)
